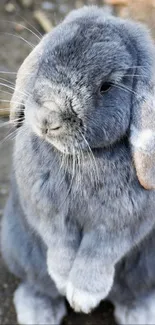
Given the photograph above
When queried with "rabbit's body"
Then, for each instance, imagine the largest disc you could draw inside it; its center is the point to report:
(93, 192)
(77, 211)
(114, 202)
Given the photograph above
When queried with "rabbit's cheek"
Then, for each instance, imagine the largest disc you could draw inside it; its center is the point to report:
(32, 121)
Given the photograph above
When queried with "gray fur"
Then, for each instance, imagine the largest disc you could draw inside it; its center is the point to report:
(77, 211)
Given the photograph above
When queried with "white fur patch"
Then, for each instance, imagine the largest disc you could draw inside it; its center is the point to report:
(82, 301)
(32, 309)
(142, 139)
(141, 314)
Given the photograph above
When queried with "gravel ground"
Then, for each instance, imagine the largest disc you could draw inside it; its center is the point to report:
(13, 50)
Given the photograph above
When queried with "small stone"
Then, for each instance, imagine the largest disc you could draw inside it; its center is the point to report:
(10, 7)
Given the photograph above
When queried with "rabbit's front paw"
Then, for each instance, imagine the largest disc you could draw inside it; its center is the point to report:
(58, 275)
(85, 289)
(58, 270)
(82, 301)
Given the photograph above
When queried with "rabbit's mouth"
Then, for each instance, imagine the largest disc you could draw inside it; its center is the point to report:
(67, 141)
(64, 131)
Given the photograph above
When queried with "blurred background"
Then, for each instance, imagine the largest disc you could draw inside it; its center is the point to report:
(22, 24)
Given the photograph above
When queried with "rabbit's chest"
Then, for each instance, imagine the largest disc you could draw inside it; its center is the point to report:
(87, 192)
(113, 191)
(103, 188)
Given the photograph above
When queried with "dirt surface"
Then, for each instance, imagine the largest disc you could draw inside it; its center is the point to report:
(13, 49)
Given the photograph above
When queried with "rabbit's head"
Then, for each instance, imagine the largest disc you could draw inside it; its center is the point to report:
(88, 84)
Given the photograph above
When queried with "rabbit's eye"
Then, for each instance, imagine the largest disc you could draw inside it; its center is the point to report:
(105, 87)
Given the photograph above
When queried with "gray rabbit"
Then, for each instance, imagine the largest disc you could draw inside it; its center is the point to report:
(79, 222)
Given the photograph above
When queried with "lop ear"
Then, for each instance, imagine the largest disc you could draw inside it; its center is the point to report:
(143, 141)
(142, 135)
(26, 77)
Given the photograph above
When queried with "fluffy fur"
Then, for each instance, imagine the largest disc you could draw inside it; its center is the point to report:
(77, 212)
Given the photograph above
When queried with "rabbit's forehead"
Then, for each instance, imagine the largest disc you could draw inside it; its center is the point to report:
(88, 53)
(87, 41)
(77, 58)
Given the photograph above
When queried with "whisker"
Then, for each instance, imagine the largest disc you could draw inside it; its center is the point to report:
(13, 22)
(8, 72)
(93, 177)
(23, 18)
(94, 123)
(130, 75)
(93, 158)
(59, 171)
(15, 73)
(10, 82)
(6, 92)
(72, 179)
(4, 111)
(133, 67)
(64, 166)
(4, 124)
(19, 37)
(9, 122)
(80, 160)
(78, 173)
(8, 137)
(122, 87)
(13, 88)
(12, 101)
(7, 86)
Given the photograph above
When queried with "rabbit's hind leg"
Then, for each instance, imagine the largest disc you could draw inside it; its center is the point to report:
(139, 312)
(37, 300)
(35, 308)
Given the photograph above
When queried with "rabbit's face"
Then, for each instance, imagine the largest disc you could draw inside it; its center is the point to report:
(83, 89)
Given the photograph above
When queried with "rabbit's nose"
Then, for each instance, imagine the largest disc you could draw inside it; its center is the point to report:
(52, 122)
